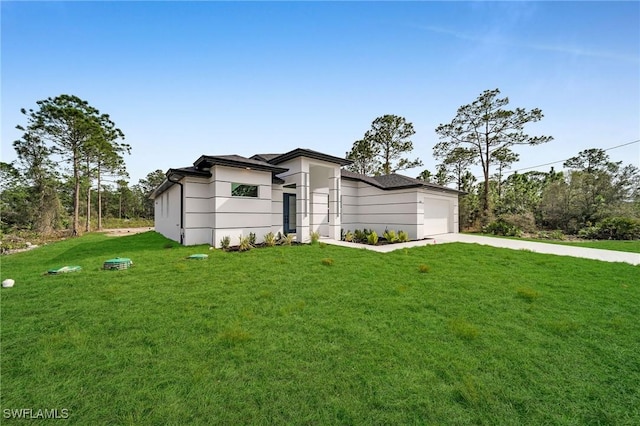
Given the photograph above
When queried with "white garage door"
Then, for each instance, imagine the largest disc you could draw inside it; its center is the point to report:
(436, 216)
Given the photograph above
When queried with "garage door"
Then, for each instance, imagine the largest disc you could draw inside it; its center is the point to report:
(436, 216)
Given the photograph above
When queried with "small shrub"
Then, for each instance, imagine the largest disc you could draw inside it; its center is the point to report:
(424, 269)
(286, 240)
(252, 238)
(245, 244)
(225, 242)
(372, 238)
(327, 261)
(527, 294)
(390, 236)
(403, 237)
(348, 237)
(359, 236)
(500, 227)
(523, 221)
(270, 240)
(315, 236)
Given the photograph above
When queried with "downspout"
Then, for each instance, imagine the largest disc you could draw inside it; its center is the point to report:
(181, 208)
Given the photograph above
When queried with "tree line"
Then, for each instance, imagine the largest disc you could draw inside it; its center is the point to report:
(70, 167)
(591, 191)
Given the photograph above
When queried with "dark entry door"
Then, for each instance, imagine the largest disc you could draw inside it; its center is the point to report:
(289, 213)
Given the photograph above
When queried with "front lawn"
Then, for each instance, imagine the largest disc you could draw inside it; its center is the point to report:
(441, 334)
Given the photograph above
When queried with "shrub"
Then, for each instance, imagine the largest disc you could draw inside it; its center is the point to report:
(225, 241)
(270, 240)
(403, 237)
(500, 227)
(523, 221)
(391, 236)
(613, 228)
(327, 261)
(424, 268)
(359, 236)
(252, 238)
(315, 236)
(245, 244)
(286, 240)
(372, 238)
(348, 236)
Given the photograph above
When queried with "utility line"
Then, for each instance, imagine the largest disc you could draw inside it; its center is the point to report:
(509, 172)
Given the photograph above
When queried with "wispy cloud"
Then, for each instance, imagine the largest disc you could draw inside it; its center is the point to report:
(558, 48)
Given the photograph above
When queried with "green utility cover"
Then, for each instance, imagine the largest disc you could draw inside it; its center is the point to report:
(64, 270)
(198, 256)
(117, 263)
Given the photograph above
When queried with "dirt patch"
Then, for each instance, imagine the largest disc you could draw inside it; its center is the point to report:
(120, 232)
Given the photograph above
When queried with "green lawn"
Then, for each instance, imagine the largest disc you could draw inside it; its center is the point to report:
(275, 335)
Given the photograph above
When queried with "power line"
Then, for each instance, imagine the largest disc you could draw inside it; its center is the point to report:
(509, 172)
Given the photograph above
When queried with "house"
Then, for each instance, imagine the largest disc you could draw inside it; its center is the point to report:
(301, 191)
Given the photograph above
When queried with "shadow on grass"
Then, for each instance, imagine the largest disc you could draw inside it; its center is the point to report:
(113, 246)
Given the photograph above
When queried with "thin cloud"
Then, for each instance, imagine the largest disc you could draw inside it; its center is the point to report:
(570, 50)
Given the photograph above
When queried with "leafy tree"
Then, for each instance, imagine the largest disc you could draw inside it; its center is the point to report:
(364, 157)
(144, 188)
(68, 126)
(383, 146)
(425, 175)
(456, 165)
(484, 127)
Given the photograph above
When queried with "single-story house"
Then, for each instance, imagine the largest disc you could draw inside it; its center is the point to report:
(301, 191)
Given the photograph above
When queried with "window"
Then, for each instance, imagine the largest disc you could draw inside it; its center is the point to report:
(242, 190)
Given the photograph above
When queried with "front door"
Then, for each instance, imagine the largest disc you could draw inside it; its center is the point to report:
(289, 213)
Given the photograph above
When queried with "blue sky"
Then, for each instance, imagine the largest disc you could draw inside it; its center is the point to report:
(182, 79)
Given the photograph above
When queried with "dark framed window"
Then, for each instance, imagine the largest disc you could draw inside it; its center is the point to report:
(244, 190)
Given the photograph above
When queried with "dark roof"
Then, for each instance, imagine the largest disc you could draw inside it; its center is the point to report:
(177, 174)
(395, 181)
(207, 161)
(300, 152)
(264, 157)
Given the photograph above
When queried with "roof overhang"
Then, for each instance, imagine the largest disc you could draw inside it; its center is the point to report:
(315, 155)
(208, 161)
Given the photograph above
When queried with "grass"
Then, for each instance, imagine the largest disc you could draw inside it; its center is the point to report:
(632, 246)
(272, 335)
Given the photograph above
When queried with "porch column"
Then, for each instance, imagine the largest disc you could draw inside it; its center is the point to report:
(302, 205)
(334, 204)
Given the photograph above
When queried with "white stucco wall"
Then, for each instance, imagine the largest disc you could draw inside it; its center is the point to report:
(167, 213)
(239, 216)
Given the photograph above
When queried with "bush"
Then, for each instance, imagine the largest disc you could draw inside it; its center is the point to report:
(614, 228)
(245, 243)
(315, 236)
(270, 240)
(359, 236)
(500, 227)
(348, 237)
(403, 237)
(225, 241)
(372, 238)
(390, 236)
(286, 240)
(252, 238)
(523, 221)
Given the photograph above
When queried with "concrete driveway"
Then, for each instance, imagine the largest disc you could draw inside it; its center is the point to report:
(557, 249)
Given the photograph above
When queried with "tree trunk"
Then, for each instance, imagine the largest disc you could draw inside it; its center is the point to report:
(88, 221)
(76, 197)
(99, 201)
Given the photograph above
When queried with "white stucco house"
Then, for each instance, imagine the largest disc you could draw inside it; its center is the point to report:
(301, 191)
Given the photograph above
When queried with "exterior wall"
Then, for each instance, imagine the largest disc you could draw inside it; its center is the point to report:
(198, 216)
(277, 192)
(167, 213)
(365, 206)
(239, 216)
